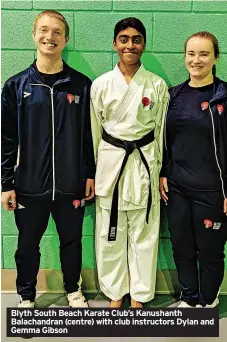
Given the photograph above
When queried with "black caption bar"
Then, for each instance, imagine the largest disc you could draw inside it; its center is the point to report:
(68, 322)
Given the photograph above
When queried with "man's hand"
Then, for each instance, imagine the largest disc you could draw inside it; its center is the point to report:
(90, 189)
(225, 206)
(9, 200)
(163, 188)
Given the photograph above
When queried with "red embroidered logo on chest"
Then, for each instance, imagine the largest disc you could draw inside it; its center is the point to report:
(204, 105)
(70, 98)
(220, 109)
(145, 101)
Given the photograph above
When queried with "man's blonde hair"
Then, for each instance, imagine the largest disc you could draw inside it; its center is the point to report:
(55, 14)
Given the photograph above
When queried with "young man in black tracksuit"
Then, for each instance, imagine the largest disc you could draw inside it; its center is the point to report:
(47, 157)
(194, 175)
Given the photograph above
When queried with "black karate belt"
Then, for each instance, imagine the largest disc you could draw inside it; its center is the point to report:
(128, 146)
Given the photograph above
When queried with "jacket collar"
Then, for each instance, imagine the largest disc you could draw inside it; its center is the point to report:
(34, 75)
(220, 89)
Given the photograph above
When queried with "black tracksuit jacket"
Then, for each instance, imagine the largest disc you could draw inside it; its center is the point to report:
(219, 128)
(46, 134)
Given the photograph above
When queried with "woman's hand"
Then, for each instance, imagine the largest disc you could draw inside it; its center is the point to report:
(225, 206)
(163, 188)
(9, 200)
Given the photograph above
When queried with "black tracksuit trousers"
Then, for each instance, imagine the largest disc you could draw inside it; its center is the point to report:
(32, 221)
(198, 231)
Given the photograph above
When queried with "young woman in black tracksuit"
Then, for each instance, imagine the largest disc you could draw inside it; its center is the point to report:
(193, 179)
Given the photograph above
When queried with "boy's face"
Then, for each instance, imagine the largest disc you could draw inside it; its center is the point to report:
(49, 36)
(129, 45)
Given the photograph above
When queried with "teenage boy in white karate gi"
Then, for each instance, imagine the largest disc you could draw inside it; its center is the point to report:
(128, 108)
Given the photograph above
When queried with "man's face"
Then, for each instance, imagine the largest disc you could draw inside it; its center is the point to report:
(129, 45)
(49, 36)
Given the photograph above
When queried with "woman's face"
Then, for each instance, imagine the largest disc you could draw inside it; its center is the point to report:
(199, 57)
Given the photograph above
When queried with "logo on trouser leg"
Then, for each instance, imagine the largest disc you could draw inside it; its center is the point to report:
(78, 203)
(20, 206)
(217, 225)
(208, 223)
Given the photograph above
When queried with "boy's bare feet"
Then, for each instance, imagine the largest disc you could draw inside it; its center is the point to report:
(135, 304)
(116, 303)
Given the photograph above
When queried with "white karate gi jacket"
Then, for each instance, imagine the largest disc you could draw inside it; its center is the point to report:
(128, 112)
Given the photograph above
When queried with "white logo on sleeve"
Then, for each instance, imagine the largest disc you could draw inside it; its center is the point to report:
(26, 94)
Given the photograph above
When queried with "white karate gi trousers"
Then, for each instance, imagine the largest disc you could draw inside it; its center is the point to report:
(129, 264)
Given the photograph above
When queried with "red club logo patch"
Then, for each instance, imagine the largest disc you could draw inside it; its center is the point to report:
(145, 101)
(220, 109)
(76, 203)
(70, 98)
(204, 105)
(208, 223)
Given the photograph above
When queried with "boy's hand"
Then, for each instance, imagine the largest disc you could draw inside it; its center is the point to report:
(163, 188)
